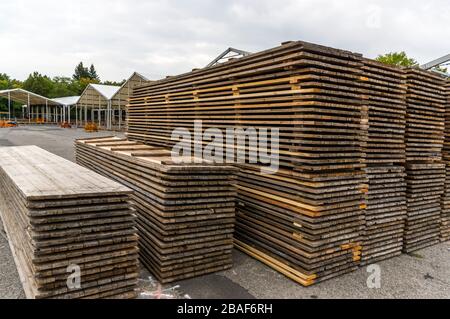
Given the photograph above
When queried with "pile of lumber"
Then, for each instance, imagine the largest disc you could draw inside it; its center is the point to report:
(445, 201)
(307, 219)
(61, 218)
(425, 171)
(385, 157)
(186, 212)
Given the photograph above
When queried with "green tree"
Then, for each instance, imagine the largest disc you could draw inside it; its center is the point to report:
(397, 58)
(84, 82)
(5, 81)
(39, 84)
(114, 83)
(81, 72)
(64, 86)
(93, 74)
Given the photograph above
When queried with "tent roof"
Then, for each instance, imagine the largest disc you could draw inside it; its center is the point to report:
(107, 91)
(136, 79)
(21, 96)
(67, 101)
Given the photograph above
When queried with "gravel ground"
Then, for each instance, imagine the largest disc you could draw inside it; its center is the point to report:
(425, 274)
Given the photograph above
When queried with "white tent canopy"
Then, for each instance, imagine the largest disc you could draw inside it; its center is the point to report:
(27, 97)
(107, 102)
(67, 101)
(37, 105)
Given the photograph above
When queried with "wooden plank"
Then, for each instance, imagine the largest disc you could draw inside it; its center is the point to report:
(51, 225)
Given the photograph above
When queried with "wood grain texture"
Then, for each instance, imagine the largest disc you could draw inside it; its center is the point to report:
(186, 213)
(53, 223)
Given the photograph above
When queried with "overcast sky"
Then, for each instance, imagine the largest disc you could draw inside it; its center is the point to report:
(168, 37)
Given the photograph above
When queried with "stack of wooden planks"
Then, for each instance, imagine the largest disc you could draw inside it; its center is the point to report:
(385, 89)
(425, 170)
(186, 212)
(62, 221)
(307, 219)
(445, 201)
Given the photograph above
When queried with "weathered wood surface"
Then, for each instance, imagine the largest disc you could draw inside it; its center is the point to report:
(52, 225)
(445, 200)
(39, 174)
(385, 214)
(186, 213)
(307, 219)
(425, 124)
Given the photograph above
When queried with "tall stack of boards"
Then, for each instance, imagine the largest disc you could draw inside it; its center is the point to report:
(319, 161)
(71, 231)
(385, 216)
(360, 174)
(425, 122)
(307, 219)
(445, 202)
(186, 212)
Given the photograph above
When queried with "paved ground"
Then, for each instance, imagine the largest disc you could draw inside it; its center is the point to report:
(422, 275)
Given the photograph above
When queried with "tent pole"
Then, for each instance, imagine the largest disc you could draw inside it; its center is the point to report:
(99, 112)
(9, 106)
(29, 109)
(120, 113)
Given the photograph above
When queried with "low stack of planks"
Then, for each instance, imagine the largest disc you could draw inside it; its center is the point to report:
(445, 201)
(307, 220)
(385, 89)
(61, 218)
(424, 167)
(186, 212)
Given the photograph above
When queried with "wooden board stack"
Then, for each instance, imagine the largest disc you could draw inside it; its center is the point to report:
(59, 216)
(306, 220)
(445, 201)
(425, 170)
(385, 157)
(186, 212)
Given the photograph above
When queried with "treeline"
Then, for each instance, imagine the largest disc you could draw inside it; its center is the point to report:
(57, 86)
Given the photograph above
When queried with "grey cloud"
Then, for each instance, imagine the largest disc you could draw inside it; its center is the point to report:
(169, 37)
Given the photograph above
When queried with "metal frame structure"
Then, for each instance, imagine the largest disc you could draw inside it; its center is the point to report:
(445, 60)
(97, 98)
(107, 104)
(37, 105)
(108, 100)
(228, 54)
(68, 102)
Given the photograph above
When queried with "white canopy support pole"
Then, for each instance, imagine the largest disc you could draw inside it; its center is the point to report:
(46, 110)
(29, 109)
(76, 115)
(120, 113)
(9, 106)
(99, 112)
(110, 115)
